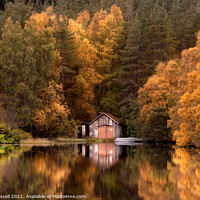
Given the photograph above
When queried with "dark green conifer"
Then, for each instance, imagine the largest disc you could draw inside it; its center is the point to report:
(129, 78)
(66, 47)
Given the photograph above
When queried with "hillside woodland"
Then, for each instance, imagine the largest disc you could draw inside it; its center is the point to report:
(64, 61)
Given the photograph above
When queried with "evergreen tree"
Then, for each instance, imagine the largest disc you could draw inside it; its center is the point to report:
(130, 74)
(66, 47)
(128, 77)
(169, 40)
(152, 48)
(183, 15)
(158, 41)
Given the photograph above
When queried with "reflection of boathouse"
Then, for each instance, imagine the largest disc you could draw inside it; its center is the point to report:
(103, 155)
(105, 125)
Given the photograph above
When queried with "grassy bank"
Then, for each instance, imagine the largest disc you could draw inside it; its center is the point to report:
(64, 140)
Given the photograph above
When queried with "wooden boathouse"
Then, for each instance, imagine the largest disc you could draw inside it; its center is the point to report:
(105, 125)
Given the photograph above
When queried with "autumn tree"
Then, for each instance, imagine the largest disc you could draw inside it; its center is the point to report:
(184, 117)
(17, 11)
(175, 88)
(55, 111)
(156, 98)
(29, 64)
(98, 42)
(109, 41)
(94, 26)
(53, 115)
(16, 60)
(81, 94)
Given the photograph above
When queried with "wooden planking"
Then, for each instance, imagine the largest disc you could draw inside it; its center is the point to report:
(101, 121)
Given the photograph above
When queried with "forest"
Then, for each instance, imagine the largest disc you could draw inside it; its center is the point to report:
(64, 61)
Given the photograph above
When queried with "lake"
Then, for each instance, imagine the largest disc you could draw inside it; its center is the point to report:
(99, 171)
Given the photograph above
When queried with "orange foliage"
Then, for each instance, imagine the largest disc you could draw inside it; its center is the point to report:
(97, 43)
(83, 18)
(159, 89)
(88, 76)
(55, 110)
(94, 26)
(109, 37)
(176, 86)
(187, 111)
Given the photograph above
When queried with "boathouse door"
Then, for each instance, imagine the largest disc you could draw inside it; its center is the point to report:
(106, 131)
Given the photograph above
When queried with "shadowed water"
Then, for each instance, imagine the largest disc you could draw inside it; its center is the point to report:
(100, 171)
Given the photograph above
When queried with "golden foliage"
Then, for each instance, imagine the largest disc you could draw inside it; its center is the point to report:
(86, 55)
(55, 110)
(159, 89)
(83, 18)
(94, 26)
(176, 86)
(109, 37)
(185, 115)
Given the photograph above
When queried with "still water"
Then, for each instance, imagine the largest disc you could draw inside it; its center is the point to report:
(100, 171)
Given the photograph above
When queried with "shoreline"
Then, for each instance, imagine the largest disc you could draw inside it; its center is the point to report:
(65, 141)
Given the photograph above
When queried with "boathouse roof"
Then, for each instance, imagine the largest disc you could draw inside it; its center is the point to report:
(112, 117)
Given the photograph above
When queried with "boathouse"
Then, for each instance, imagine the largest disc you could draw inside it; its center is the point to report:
(105, 125)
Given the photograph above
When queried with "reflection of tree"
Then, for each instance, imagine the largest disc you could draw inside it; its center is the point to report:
(154, 177)
(82, 179)
(52, 172)
(145, 172)
(120, 182)
(154, 183)
(9, 154)
(187, 172)
(157, 155)
(177, 180)
(40, 171)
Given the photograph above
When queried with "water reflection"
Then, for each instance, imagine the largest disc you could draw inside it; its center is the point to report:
(187, 172)
(101, 171)
(41, 170)
(103, 155)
